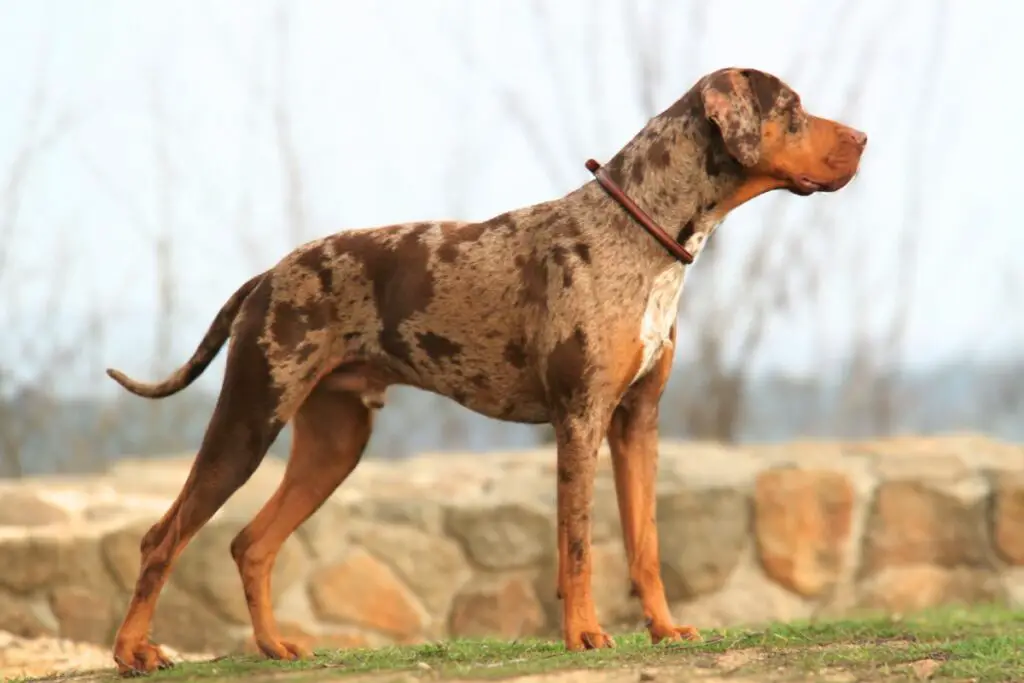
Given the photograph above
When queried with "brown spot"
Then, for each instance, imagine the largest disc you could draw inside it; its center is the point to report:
(459, 396)
(723, 81)
(658, 154)
(634, 590)
(583, 251)
(316, 261)
(718, 160)
(686, 232)
(515, 354)
(570, 227)
(544, 218)
(637, 172)
(401, 278)
(453, 237)
(765, 88)
(566, 369)
(533, 274)
(503, 222)
(558, 224)
(480, 381)
(437, 346)
(287, 329)
(564, 475)
(577, 552)
(558, 255)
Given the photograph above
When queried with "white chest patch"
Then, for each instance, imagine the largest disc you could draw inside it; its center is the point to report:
(660, 314)
(663, 304)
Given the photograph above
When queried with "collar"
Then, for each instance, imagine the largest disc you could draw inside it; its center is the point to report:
(639, 215)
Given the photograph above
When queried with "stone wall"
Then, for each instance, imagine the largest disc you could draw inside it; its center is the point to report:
(463, 545)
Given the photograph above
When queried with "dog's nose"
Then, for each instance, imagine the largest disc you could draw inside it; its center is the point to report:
(859, 138)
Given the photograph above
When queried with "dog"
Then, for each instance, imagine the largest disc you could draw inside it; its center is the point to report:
(563, 312)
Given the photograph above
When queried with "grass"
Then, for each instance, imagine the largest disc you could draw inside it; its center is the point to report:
(982, 644)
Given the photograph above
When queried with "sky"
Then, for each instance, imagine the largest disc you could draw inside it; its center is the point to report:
(157, 118)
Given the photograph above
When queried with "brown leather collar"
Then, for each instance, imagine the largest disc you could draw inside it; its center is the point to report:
(646, 222)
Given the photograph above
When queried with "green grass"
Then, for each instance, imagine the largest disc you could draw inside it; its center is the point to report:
(983, 644)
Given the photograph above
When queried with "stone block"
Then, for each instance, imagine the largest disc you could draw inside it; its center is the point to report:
(802, 521)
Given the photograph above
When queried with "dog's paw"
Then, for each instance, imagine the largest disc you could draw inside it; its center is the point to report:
(140, 659)
(589, 640)
(283, 650)
(674, 633)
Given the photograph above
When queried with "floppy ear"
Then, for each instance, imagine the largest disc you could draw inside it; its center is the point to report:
(731, 105)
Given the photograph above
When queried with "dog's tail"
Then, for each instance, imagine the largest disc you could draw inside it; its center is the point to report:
(209, 347)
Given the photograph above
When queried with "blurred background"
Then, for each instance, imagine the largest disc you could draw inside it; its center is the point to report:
(154, 155)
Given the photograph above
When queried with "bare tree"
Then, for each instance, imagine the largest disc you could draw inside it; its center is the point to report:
(163, 422)
(873, 391)
(291, 166)
(159, 426)
(34, 354)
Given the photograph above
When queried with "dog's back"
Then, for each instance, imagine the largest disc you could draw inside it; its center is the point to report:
(441, 306)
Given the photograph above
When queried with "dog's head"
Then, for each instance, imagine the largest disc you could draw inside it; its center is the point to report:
(766, 130)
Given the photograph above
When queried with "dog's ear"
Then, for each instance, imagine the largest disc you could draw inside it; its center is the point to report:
(730, 103)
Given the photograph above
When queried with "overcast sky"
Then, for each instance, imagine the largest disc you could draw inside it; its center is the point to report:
(407, 110)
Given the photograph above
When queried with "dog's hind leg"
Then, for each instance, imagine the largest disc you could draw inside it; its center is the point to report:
(331, 429)
(246, 420)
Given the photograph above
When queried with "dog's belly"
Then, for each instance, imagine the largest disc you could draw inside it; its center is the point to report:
(478, 379)
(520, 409)
(511, 397)
(495, 391)
(659, 315)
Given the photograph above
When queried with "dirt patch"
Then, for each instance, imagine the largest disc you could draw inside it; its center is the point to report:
(666, 674)
(48, 657)
(648, 674)
(736, 659)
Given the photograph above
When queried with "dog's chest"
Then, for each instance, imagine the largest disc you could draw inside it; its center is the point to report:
(660, 314)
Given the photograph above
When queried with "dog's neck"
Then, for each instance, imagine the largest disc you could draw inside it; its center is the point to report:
(677, 169)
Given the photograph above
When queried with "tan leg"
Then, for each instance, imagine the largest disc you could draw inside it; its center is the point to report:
(633, 441)
(240, 431)
(331, 430)
(577, 461)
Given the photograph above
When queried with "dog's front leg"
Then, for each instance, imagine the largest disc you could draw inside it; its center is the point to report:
(578, 440)
(633, 441)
